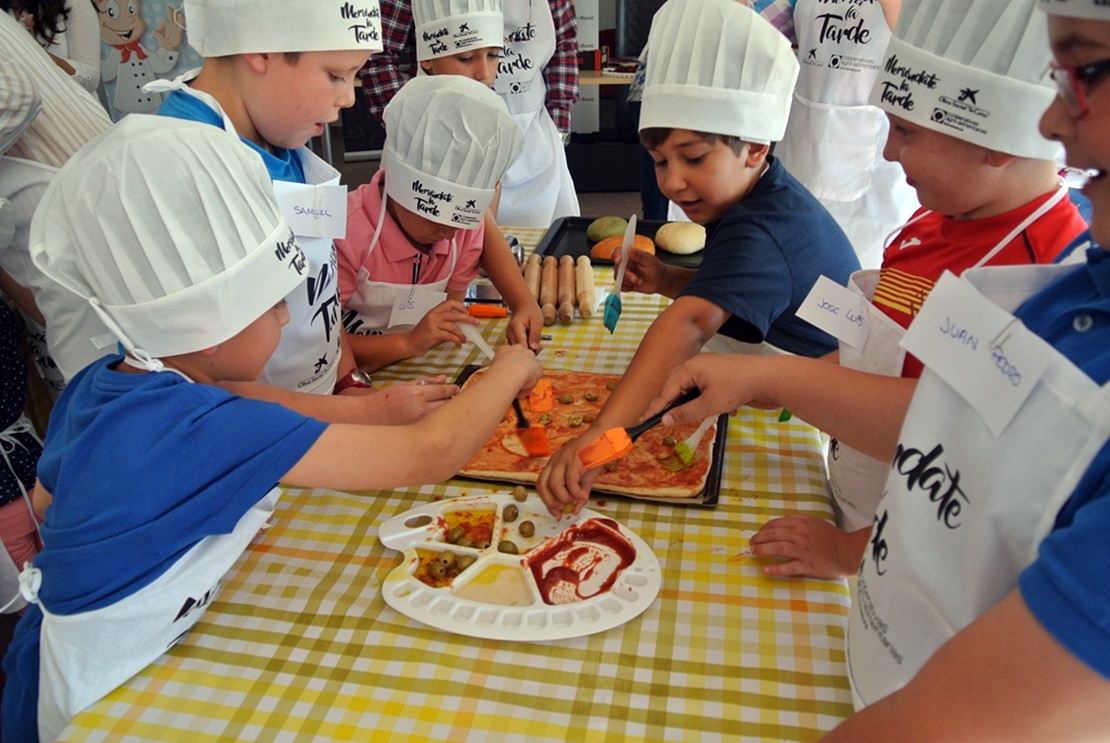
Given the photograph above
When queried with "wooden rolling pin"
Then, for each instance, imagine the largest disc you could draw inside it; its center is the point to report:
(532, 275)
(566, 289)
(584, 293)
(549, 288)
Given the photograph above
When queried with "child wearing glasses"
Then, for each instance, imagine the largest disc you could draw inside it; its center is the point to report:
(980, 609)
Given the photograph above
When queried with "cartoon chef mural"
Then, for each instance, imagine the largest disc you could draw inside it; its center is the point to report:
(130, 62)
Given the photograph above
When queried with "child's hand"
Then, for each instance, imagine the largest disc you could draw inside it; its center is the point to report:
(645, 273)
(519, 356)
(565, 482)
(438, 326)
(409, 402)
(526, 326)
(807, 545)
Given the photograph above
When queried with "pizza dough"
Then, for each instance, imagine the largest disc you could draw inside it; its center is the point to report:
(681, 238)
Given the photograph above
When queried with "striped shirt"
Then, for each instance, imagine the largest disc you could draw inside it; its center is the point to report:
(70, 115)
(386, 72)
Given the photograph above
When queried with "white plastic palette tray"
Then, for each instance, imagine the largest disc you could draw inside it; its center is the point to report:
(498, 596)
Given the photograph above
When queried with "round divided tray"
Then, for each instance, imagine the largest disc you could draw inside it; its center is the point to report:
(568, 578)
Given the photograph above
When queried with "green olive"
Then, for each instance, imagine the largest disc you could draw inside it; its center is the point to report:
(520, 494)
(456, 534)
(587, 418)
(590, 396)
(465, 541)
(526, 528)
(566, 398)
(509, 548)
(610, 386)
(510, 513)
(464, 562)
(447, 559)
(483, 544)
(437, 570)
(545, 419)
(669, 441)
(574, 421)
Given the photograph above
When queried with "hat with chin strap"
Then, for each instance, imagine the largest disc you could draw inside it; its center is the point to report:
(1096, 10)
(976, 71)
(716, 67)
(446, 27)
(170, 230)
(219, 28)
(449, 141)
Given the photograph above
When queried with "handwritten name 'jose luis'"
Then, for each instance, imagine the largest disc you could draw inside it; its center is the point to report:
(854, 317)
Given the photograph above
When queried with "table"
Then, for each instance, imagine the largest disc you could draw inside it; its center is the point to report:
(300, 645)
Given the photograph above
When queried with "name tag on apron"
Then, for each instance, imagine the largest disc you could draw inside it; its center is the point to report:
(314, 211)
(837, 310)
(979, 349)
(410, 309)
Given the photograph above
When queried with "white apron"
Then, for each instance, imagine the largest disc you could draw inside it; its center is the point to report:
(834, 138)
(84, 656)
(379, 306)
(856, 479)
(307, 357)
(965, 509)
(538, 188)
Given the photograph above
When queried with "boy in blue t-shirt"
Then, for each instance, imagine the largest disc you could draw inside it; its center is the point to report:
(717, 93)
(277, 85)
(154, 478)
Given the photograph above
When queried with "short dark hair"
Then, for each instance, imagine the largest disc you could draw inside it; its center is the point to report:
(655, 136)
(292, 57)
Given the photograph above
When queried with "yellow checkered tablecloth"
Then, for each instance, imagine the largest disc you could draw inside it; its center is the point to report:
(301, 646)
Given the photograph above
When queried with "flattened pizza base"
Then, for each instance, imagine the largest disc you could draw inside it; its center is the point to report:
(639, 474)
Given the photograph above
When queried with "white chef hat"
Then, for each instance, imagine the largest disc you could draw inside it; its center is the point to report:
(218, 28)
(19, 103)
(446, 27)
(449, 140)
(977, 71)
(1097, 10)
(715, 66)
(171, 231)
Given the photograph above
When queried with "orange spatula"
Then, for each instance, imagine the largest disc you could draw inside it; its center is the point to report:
(617, 442)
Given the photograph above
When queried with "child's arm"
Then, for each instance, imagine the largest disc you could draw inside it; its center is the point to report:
(498, 262)
(677, 334)
(440, 325)
(349, 457)
(1003, 677)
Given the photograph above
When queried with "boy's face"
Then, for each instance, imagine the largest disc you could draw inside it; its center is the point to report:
(480, 65)
(942, 169)
(421, 231)
(291, 103)
(1077, 42)
(242, 357)
(704, 179)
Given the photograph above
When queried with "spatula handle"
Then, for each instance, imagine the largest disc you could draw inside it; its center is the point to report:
(685, 397)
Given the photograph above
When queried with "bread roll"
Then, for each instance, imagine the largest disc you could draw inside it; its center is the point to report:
(680, 238)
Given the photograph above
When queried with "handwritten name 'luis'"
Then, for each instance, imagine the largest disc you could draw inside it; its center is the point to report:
(854, 317)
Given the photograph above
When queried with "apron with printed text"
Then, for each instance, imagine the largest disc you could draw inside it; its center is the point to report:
(84, 656)
(856, 479)
(380, 307)
(965, 509)
(307, 356)
(537, 189)
(834, 138)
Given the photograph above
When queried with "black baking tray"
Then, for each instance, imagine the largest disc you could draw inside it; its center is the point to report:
(709, 495)
(567, 236)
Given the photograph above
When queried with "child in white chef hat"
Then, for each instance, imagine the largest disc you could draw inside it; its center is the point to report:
(963, 85)
(417, 231)
(276, 72)
(718, 92)
(981, 602)
(154, 478)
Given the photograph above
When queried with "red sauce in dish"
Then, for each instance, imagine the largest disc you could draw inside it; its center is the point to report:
(569, 563)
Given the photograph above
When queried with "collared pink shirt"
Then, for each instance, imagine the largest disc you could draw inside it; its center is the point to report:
(393, 259)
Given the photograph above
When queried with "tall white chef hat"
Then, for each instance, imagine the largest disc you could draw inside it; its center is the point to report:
(715, 66)
(977, 71)
(218, 28)
(446, 27)
(171, 231)
(1097, 10)
(449, 141)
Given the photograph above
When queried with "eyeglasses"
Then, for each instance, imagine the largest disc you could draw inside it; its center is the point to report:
(1072, 84)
